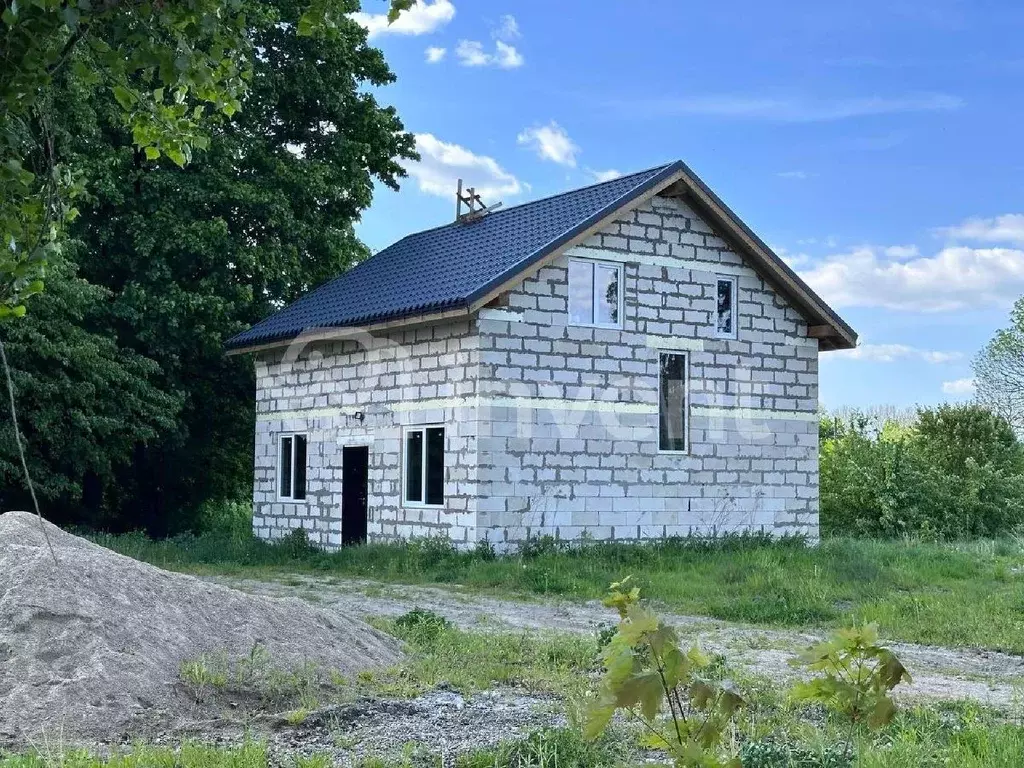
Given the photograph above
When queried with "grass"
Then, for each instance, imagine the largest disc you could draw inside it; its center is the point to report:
(546, 662)
(958, 594)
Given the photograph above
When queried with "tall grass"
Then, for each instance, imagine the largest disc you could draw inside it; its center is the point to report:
(958, 594)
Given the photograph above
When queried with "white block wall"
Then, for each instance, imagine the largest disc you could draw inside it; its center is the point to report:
(552, 428)
(419, 376)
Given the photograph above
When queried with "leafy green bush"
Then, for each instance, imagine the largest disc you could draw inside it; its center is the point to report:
(226, 518)
(654, 682)
(957, 472)
(424, 624)
(854, 677)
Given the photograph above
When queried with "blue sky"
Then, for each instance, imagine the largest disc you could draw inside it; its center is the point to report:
(875, 145)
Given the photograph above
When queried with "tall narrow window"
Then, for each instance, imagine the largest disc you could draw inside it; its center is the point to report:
(672, 404)
(424, 467)
(726, 318)
(291, 467)
(595, 293)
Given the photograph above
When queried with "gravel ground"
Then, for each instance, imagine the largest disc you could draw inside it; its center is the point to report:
(989, 677)
(441, 722)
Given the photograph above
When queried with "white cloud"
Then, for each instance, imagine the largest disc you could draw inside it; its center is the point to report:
(424, 17)
(507, 29)
(508, 57)
(794, 260)
(889, 353)
(435, 54)
(959, 387)
(902, 252)
(793, 110)
(471, 53)
(442, 164)
(955, 278)
(608, 175)
(800, 175)
(1008, 228)
(550, 142)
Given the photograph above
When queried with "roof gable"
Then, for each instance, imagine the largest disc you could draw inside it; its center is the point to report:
(449, 266)
(459, 264)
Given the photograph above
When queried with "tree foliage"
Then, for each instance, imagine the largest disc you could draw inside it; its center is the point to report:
(174, 69)
(85, 402)
(955, 472)
(999, 371)
(188, 256)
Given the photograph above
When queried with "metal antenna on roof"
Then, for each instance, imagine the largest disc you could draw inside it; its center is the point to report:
(474, 205)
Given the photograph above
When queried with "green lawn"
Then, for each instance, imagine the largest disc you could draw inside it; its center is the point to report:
(967, 594)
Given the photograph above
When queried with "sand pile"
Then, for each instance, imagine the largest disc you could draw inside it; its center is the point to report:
(91, 645)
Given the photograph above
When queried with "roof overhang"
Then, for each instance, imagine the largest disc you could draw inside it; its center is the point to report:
(347, 333)
(676, 180)
(824, 324)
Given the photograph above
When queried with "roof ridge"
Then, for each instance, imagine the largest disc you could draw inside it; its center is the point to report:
(574, 191)
(661, 167)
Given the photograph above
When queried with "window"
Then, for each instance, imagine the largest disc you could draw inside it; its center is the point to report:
(291, 467)
(424, 467)
(672, 403)
(595, 293)
(726, 317)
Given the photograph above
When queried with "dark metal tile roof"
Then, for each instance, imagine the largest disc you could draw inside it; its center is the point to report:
(451, 266)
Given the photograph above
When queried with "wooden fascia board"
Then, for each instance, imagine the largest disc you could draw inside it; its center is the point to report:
(726, 220)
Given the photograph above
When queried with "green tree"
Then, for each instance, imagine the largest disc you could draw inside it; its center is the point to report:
(193, 255)
(952, 436)
(172, 66)
(86, 404)
(999, 371)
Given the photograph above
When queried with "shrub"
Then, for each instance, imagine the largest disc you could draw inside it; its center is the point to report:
(423, 624)
(226, 518)
(669, 691)
(955, 472)
(854, 678)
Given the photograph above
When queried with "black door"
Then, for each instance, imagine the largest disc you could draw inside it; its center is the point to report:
(354, 463)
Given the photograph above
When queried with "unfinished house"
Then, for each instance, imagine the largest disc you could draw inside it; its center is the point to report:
(625, 361)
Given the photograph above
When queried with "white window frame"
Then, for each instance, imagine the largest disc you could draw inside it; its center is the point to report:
(735, 296)
(280, 468)
(686, 403)
(618, 266)
(423, 466)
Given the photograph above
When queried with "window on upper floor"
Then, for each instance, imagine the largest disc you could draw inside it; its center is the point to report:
(673, 403)
(595, 293)
(291, 467)
(423, 472)
(726, 316)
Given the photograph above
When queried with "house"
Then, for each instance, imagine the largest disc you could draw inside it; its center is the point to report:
(624, 361)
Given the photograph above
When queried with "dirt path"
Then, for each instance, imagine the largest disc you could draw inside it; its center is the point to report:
(989, 677)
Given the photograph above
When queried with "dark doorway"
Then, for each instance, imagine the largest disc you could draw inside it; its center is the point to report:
(354, 464)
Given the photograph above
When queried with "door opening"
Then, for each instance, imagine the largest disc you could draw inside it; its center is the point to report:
(355, 462)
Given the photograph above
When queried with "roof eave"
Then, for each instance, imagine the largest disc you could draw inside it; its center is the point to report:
(353, 331)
